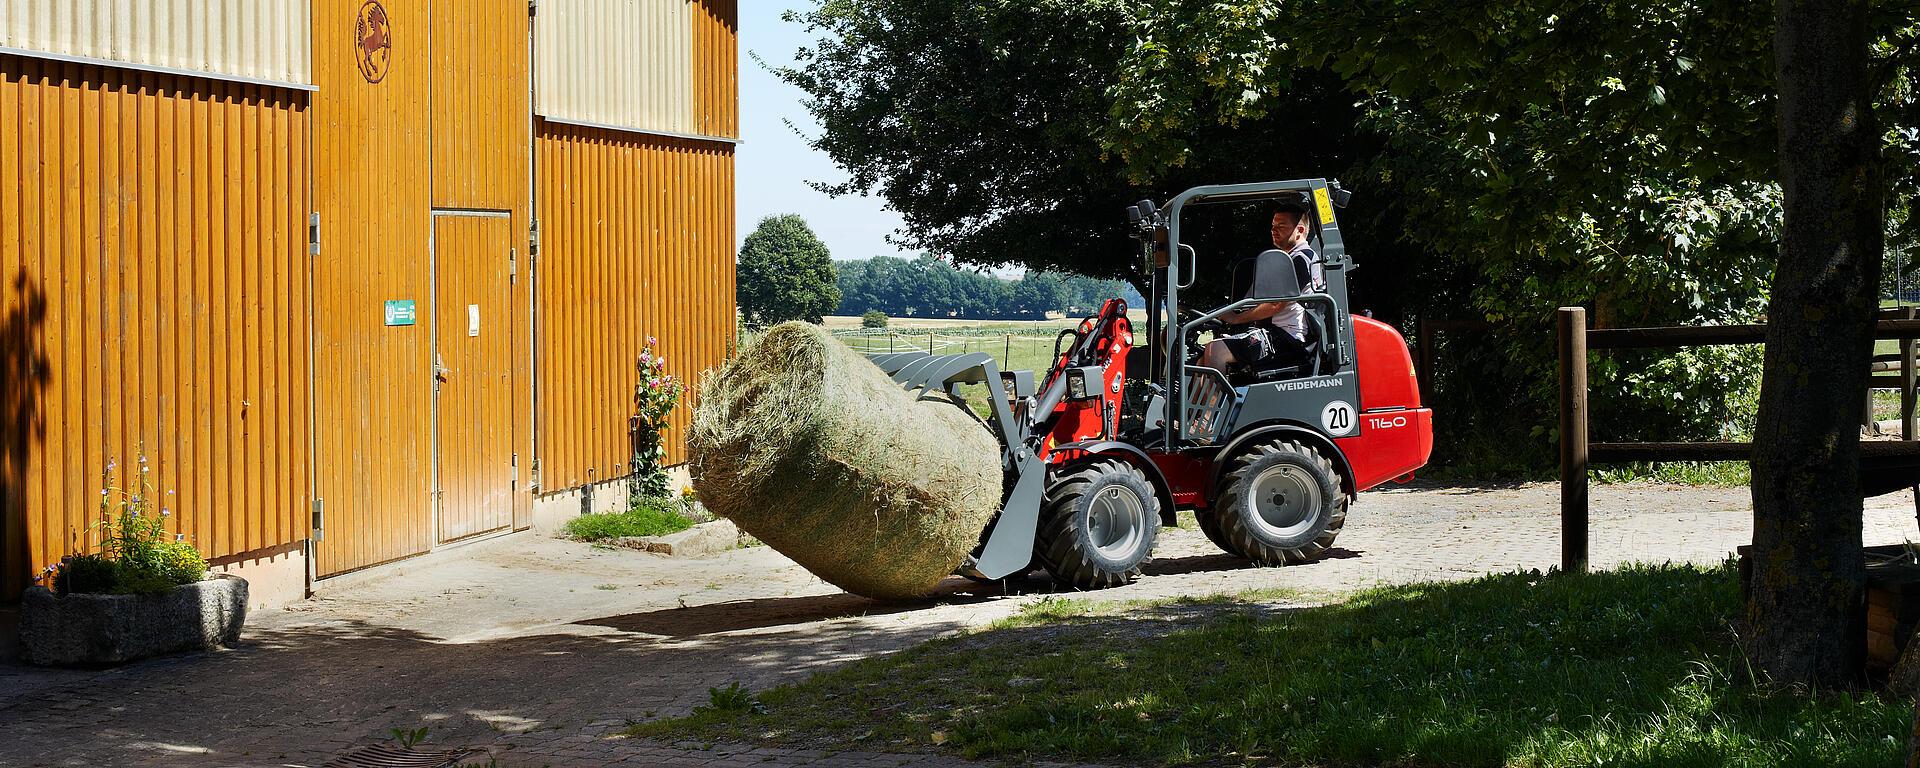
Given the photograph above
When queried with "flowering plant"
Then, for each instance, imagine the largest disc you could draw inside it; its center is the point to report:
(654, 399)
(136, 554)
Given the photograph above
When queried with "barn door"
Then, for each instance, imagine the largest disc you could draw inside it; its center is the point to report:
(474, 465)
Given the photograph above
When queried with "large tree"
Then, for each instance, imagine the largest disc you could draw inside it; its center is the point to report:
(1806, 608)
(785, 273)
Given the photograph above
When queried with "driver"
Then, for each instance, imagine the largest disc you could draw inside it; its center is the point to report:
(1276, 328)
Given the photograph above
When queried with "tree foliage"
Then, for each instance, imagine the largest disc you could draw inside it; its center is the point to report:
(785, 273)
(930, 287)
(1510, 156)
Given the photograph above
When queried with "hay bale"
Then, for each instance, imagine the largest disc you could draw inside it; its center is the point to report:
(807, 446)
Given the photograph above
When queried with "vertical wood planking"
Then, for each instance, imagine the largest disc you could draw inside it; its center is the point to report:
(114, 186)
(638, 241)
(371, 154)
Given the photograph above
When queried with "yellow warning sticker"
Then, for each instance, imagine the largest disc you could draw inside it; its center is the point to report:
(1325, 204)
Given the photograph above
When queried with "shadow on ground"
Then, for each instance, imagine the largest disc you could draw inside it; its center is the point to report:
(304, 694)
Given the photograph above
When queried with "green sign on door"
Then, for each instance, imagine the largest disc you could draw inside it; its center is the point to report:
(400, 312)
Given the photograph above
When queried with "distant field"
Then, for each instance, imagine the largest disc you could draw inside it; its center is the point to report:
(1054, 322)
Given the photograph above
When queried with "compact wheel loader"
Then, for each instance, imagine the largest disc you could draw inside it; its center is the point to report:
(1101, 451)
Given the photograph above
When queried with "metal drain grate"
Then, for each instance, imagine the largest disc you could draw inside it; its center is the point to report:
(379, 756)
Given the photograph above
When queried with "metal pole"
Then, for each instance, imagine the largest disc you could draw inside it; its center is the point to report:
(1573, 439)
(1006, 354)
(929, 342)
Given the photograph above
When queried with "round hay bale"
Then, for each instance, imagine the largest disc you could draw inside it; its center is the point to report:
(809, 447)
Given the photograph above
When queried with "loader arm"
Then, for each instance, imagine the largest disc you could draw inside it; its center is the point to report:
(1007, 546)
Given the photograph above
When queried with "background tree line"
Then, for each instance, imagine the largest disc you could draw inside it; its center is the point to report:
(930, 287)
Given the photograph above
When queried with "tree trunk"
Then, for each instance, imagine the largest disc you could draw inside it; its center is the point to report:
(1807, 620)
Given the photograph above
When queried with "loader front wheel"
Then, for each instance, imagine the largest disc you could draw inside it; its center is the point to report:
(1280, 503)
(1097, 524)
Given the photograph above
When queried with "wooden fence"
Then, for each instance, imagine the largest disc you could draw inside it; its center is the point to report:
(1884, 466)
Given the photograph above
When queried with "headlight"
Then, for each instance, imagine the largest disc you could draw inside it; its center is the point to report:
(1076, 384)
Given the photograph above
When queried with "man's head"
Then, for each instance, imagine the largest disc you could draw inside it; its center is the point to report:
(1289, 226)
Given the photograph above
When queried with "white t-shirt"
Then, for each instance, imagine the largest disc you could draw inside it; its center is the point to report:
(1292, 317)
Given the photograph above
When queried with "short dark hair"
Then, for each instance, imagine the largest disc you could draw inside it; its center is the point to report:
(1291, 205)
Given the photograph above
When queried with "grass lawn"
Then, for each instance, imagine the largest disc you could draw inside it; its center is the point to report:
(646, 517)
(1632, 668)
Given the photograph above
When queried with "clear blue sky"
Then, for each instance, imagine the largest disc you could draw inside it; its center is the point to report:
(775, 164)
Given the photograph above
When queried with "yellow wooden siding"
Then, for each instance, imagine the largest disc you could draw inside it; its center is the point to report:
(373, 409)
(637, 242)
(259, 39)
(716, 68)
(482, 148)
(153, 304)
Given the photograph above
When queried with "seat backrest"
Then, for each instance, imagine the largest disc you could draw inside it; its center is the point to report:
(1270, 275)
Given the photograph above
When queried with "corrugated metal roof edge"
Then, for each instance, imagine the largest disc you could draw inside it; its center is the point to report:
(161, 70)
(642, 131)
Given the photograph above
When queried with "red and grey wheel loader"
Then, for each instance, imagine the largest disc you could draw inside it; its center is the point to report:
(1101, 451)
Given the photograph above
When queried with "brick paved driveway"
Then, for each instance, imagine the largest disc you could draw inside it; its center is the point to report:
(538, 650)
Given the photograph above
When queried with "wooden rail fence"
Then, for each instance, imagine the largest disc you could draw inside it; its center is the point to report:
(1884, 466)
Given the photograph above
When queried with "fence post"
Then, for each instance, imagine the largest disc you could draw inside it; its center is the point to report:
(1907, 383)
(1573, 439)
(929, 342)
(1424, 336)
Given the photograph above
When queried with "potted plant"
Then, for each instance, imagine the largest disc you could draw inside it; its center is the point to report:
(144, 592)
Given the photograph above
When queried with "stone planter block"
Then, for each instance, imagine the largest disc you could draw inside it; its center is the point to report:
(109, 629)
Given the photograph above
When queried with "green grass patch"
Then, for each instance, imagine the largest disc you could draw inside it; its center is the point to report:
(1715, 473)
(1630, 668)
(645, 517)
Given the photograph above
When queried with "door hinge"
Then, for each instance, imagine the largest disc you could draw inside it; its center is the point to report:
(533, 239)
(513, 480)
(319, 519)
(533, 7)
(313, 233)
(513, 265)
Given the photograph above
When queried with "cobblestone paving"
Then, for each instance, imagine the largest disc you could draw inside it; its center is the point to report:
(540, 651)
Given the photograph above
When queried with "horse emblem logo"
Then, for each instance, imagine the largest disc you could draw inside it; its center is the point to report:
(374, 40)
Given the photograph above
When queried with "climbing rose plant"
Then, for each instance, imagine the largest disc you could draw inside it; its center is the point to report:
(654, 399)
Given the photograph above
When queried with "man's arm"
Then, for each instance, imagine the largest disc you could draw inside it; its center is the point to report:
(1255, 313)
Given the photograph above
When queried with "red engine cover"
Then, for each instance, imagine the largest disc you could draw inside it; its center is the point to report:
(1386, 367)
(1396, 434)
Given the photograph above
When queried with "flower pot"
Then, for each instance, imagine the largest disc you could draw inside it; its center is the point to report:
(109, 629)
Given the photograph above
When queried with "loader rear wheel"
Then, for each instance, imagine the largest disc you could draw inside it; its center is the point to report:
(1281, 503)
(1209, 520)
(1097, 525)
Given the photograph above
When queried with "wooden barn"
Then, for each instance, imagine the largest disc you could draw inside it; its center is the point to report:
(348, 281)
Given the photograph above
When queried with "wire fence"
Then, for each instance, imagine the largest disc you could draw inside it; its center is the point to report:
(1031, 350)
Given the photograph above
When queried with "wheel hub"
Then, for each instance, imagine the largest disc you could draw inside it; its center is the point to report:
(1286, 502)
(1114, 521)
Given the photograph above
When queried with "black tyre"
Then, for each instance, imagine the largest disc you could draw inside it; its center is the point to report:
(1281, 503)
(1097, 524)
(1209, 520)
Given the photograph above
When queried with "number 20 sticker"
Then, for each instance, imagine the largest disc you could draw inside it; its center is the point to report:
(1337, 418)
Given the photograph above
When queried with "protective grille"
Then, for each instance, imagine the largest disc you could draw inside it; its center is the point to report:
(381, 756)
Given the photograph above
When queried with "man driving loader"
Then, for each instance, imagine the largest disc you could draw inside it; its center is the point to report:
(1276, 328)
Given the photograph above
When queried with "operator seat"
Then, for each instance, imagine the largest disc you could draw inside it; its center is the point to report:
(1272, 275)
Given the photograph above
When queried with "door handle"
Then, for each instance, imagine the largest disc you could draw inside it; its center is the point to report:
(440, 370)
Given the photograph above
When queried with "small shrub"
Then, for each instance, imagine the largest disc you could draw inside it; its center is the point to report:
(137, 554)
(733, 699)
(873, 318)
(645, 516)
(89, 573)
(654, 399)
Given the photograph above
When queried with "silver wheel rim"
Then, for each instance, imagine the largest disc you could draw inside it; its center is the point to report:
(1286, 502)
(1113, 521)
